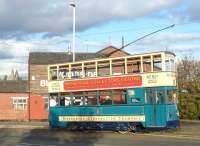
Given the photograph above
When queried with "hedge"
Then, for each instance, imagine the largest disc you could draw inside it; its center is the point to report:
(189, 106)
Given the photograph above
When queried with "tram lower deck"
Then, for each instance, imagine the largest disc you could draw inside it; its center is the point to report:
(117, 110)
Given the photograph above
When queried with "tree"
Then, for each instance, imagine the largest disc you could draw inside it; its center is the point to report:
(189, 80)
(189, 74)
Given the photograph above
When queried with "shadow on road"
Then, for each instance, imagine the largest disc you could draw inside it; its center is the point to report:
(48, 137)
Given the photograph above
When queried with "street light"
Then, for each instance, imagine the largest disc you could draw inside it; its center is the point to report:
(74, 22)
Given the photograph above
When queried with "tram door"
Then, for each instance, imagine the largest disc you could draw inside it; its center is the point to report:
(154, 109)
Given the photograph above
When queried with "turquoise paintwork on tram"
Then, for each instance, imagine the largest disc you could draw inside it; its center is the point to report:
(152, 103)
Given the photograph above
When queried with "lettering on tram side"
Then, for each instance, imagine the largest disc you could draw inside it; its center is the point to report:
(159, 79)
(55, 86)
(139, 118)
(72, 74)
(103, 83)
(152, 78)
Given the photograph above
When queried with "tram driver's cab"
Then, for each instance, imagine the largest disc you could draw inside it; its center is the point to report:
(161, 107)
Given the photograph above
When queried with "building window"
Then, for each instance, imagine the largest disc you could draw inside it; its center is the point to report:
(19, 103)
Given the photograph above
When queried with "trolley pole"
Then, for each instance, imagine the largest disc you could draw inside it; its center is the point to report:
(74, 29)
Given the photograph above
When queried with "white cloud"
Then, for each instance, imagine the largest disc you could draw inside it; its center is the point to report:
(14, 53)
(55, 16)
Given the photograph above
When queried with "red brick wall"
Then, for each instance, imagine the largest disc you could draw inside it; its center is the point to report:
(37, 108)
(38, 92)
(7, 111)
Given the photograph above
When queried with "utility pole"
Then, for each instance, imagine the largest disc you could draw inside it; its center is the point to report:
(122, 41)
(74, 25)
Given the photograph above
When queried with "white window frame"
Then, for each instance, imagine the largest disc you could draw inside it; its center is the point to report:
(16, 103)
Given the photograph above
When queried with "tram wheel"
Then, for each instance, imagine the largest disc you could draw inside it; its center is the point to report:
(132, 129)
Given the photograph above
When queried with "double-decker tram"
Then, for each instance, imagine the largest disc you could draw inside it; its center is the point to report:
(121, 93)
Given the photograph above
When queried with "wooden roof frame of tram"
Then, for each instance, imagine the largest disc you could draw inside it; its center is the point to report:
(111, 59)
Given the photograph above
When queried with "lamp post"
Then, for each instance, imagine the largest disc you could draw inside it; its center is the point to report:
(74, 24)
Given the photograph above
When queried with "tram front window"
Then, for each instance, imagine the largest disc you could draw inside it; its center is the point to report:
(171, 96)
(160, 97)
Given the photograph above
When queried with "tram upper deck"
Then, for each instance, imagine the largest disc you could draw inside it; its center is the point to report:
(107, 67)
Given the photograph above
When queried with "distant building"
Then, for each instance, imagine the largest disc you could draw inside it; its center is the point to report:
(14, 75)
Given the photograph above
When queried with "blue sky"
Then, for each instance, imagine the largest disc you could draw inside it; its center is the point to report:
(46, 25)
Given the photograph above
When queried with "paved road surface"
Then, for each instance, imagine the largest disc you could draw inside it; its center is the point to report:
(45, 137)
(38, 134)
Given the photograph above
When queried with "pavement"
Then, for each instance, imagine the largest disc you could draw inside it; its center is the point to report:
(25, 124)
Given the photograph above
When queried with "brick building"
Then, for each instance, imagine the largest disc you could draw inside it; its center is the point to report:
(28, 100)
(14, 100)
(38, 77)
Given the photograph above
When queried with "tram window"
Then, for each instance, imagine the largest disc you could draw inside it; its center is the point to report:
(119, 97)
(118, 67)
(78, 100)
(62, 101)
(136, 67)
(133, 65)
(91, 98)
(76, 73)
(90, 69)
(90, 72)
(171, 96)
(172, 65)
(67, 101)
(157, 65)
(63, 74)
(104, 68)
(150, 96)
(147, 64)
(53, 75)
(105, 98)
(167, 64)
(160, 97)
(135, 100)
(53, 100)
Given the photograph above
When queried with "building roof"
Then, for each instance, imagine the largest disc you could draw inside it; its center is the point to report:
(60, 57)
(19, 86)
(115, 49)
